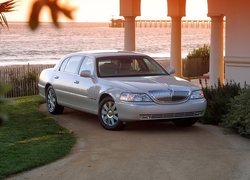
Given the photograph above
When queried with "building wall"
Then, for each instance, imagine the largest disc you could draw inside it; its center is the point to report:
(238, 28)
(216, 7)
(237, 42)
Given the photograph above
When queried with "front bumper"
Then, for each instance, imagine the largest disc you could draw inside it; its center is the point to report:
(151, 111)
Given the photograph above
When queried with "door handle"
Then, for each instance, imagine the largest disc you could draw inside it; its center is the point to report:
(76, 82)
(56, 77)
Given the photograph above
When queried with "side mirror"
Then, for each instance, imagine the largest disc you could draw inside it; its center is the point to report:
(86, 74)
(170, 70)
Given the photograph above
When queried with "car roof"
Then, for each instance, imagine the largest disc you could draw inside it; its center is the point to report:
(99, 54)
(105, 53)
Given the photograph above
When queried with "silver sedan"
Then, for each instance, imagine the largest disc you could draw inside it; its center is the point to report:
(120, 87)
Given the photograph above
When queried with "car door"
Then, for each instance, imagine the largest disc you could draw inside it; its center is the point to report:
(86, 87)
(64, 80)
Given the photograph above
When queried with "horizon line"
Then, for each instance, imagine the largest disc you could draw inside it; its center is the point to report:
(108, 21)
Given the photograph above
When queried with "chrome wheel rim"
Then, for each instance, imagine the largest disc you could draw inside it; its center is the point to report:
(51, 100)
(109, 114)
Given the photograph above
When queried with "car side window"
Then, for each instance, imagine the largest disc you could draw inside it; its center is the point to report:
(88, 64)
(63, 65)
(73, 64)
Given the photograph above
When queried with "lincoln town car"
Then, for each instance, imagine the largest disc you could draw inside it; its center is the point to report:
(120, 87)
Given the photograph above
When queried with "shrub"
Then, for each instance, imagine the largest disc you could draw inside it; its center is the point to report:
(200, 52)
(29, 77)
(238, 116)
(25, 85)
(4, 88)
(197, 62)
(218, 99)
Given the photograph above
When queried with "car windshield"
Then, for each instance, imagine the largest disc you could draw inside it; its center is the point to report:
(128, 66)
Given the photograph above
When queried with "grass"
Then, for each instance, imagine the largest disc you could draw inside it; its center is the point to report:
(29, 138)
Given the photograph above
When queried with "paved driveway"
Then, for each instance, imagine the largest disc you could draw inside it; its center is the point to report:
(147, 151)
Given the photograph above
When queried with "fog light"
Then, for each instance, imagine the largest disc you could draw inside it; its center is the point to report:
(198, 113)
(145, 117)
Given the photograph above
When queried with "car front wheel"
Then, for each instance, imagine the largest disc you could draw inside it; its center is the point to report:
(108, 115)
(53, 106)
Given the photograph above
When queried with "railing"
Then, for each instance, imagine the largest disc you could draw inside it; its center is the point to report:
(162, 23)
(23, 79)
(167, 23)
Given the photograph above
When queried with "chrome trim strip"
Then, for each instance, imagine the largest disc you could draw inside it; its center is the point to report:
(171, 115)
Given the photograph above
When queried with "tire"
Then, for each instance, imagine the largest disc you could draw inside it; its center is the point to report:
(185, 122)
(52, 105)
(108, 115)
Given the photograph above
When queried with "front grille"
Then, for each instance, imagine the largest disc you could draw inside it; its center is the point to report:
(180, 95)
(171, 115)
(168, 96)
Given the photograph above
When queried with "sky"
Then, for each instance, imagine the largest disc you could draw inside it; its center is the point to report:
(104, 10)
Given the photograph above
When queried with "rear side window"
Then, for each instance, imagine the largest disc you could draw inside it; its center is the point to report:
(73, 64)
(63, 65)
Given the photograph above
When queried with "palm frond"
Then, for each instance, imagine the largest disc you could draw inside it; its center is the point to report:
(55, 10)
(34, 15)
(5, 20)
(6, 7)
(1, 23)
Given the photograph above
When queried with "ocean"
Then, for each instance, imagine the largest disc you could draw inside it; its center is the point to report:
(20, 45)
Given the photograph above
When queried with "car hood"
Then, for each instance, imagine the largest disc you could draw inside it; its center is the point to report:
(150, 83)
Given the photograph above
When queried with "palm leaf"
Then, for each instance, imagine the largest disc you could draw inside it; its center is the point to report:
(5, 20)
(68, 12)
(55, 10)
(1, 20)
(5, 7)
(34, 15)
(1, 23)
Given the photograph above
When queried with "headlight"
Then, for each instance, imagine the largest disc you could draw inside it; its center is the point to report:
(135, 97)
(198, 94)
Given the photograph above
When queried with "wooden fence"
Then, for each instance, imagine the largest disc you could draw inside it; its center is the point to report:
(23, 79)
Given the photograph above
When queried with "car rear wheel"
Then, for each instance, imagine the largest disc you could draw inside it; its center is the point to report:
(185, 122)
(108, 115)
(53, 106)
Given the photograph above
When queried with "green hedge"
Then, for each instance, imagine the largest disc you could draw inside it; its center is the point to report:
(200, 52)
(218, 98)
(238, 116)
(228, 106)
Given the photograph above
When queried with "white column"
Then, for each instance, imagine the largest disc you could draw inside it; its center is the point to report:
(216, 66)
(129, 33)
(175, 53)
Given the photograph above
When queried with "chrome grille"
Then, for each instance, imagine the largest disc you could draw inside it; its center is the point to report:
(180, 95)
(171, 115)
(168, 96)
